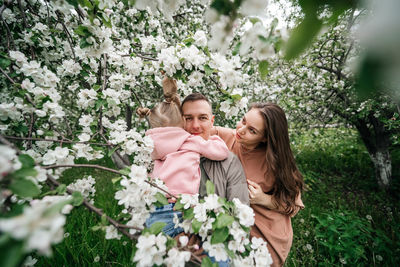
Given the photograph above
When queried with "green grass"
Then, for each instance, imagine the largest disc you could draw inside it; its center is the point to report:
(341, 193)
(81, 244)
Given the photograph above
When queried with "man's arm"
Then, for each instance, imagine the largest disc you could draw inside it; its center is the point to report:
(236, 180)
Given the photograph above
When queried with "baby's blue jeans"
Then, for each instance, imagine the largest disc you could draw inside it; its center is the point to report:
(166, 214)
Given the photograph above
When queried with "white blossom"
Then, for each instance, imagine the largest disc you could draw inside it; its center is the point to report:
(112, 233)
(38, 227)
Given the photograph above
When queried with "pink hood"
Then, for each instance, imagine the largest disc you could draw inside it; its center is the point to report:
(167, 140)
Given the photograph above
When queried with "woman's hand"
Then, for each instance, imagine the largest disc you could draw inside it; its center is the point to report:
(257, 196)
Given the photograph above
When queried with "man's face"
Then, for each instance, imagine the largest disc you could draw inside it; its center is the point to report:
(198, 119)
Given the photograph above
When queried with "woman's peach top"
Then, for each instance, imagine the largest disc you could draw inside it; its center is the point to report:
(272, 226)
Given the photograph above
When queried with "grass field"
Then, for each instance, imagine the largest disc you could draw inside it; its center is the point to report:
(347, 220)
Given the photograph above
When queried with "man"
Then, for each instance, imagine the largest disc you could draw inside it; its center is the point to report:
(227, 175)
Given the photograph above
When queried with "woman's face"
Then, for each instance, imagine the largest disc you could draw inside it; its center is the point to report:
(250, 130)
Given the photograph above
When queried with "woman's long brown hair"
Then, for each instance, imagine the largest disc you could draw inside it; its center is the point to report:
(280, 160)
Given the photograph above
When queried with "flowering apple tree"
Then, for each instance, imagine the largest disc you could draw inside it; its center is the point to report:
(320, 87)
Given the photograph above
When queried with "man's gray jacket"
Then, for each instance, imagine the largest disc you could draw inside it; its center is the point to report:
(227, 176)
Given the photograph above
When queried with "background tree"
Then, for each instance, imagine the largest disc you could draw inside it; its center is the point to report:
(320, 87)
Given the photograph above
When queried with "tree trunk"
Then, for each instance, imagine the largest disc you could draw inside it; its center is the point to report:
(377, 141)
(383, 168)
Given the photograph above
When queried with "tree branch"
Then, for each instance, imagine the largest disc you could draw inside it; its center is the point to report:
(54, 140)
(8, 77)
(141, 56)
(30, 130)
(100, 213)
(104, 169)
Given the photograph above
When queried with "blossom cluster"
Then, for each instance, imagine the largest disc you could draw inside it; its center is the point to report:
(213, 214)
(86, 187)
(8, 161)
(137, 196)
(39, 225)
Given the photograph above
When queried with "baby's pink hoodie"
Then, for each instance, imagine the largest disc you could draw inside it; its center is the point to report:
(177, 157)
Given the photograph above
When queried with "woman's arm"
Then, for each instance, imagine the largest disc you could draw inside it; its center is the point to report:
(258, 197)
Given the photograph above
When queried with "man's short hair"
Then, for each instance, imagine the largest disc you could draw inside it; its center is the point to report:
(195, 97)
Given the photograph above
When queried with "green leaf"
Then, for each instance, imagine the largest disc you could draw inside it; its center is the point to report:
(4, 63)
(103, 219)
(170, 243)
(61, 189)
(96, 86)
(26, 160)
(56, 208)
(86, 3)
(206, 262)
(223, 220)
(82, 31)
(236, 97)
(83, 44)
(99, 103)
(230, 253)
(210, 187)
(263, 68)
(11, 253)
(236, 49)
(24, 187)
(188, 214)
(219, 235)
(106, 21)
(96, 228)
(22, 128)
(116, 179)
(178, 205)
(161, 198)
(223, 7)
(77, 198)
(25, 172)
(125, 171)
(155, 228)
(302, 36)
(196, 225)
(254, 20)
(208, 70)
(188, 41)
(110, 152)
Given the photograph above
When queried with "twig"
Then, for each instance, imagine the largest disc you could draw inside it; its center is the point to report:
(69, 38)
(8, 77)
(141, 56)
(137, 98)
(2, 8)
(6, 142)
(23, 14)
(99, 212)
(54, 140)
(30, 130)
(104, 169)
(116, 151)
(105, 72)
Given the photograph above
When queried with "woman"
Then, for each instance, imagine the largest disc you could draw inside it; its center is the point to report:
(261, 141)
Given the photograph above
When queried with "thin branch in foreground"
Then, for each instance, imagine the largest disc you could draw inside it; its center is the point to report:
(104, 169)
(99, 212)
(8, 77)
(141, 56)
(55, 140)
